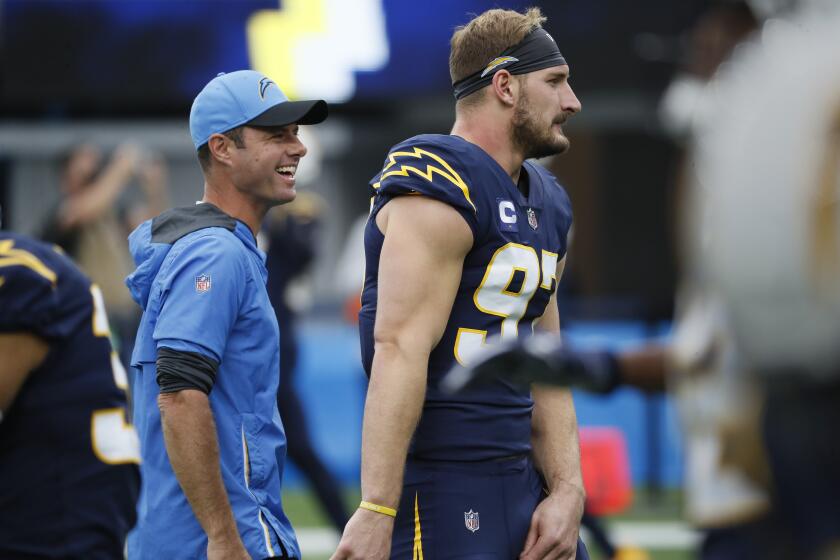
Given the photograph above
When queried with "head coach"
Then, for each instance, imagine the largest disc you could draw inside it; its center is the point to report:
(207, 350)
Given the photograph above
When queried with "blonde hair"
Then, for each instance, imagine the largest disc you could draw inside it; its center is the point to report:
(484, 38)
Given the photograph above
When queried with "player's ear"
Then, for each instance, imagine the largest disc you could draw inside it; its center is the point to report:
(505, 87)
(221, 148)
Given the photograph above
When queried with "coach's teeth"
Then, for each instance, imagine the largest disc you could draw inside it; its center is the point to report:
(288, 169)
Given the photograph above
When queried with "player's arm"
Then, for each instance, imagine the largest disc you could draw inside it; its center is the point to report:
(645, 368)
(554, 439)
(22, 353)
(28, 311)
(419, 274)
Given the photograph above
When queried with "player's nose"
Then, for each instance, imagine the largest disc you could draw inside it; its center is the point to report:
(569, 101)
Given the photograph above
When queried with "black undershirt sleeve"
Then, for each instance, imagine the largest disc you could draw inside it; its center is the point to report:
(178, 370)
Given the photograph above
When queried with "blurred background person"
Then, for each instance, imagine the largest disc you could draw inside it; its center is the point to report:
(727, 485)
(292, 235)
(767, 236)
(755, 349)
(68, 459)
(93, 218)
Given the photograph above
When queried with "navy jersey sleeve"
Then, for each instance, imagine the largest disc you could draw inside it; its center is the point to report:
(29, 289)
(201, 295)
(560, 206)
(423, 166)
(564, 208)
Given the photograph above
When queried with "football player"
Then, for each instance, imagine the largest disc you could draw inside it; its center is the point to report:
(68, 458)
(466, 241)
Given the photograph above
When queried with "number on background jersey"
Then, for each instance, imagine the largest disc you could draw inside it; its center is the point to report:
(114, 440)
(495, 297)
(101, 327)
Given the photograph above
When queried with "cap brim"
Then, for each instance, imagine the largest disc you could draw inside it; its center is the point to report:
(289, 112)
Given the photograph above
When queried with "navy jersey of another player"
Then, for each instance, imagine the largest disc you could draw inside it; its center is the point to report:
(508, 278)
(68, 459)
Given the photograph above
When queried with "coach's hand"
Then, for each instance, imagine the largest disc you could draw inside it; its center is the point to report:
(367, 536)
(555, 526)
(227, 548)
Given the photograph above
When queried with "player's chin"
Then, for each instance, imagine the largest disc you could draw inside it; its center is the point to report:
(282, 195)
(553, 147)
(561, 143)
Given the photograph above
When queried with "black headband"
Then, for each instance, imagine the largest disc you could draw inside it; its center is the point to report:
(535, 52)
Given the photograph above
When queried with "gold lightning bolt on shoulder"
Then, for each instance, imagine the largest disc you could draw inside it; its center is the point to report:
(442, 168)
(9, 256)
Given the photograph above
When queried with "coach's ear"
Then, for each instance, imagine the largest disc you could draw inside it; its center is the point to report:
(221, 149)
(505, 87)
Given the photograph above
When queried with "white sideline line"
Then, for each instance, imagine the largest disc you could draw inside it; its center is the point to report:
(317, 540)
(654, 534)
(645, 534)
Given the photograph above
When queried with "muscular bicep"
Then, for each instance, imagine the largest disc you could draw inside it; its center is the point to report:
(419, 270)
(21, 353)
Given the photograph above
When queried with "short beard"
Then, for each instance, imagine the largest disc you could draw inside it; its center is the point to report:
(531, 137)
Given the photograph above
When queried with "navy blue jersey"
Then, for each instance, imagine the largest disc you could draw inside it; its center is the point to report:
(506, 283)
(68, 459)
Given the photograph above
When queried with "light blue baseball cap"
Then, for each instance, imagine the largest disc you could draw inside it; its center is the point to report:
(247, 97)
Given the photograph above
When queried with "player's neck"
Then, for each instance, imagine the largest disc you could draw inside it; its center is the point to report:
(492, 136)
(232, 203)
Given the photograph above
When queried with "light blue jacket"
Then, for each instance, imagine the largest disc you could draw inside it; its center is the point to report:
(200, 279)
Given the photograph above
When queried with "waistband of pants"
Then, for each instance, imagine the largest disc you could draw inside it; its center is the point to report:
(495, 465)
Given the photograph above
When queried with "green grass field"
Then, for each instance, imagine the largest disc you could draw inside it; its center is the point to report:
(304, 513)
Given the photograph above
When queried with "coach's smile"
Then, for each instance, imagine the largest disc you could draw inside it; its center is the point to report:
(287, 172)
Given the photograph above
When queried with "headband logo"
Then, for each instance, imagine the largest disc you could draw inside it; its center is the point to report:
(264, 83)
(496, 62)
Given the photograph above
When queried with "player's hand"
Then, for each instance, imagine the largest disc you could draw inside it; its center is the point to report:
(512, 361)
(367, 536)
(540, 358)
(227, 548)
(555, 526)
